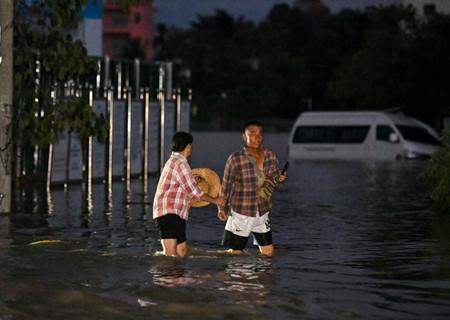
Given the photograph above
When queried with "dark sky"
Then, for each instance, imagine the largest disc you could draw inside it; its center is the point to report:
(182, 12)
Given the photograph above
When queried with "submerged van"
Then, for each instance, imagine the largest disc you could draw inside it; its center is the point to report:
(360, 135)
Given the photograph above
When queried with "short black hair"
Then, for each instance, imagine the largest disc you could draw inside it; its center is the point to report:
(181, 140)
(252, 123)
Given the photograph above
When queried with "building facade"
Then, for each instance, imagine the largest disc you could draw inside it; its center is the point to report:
(128, 33)
(106, 29)
(90, 28)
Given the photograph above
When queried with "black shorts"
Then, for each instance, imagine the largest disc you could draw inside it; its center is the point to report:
(236, 242)
(171, 226)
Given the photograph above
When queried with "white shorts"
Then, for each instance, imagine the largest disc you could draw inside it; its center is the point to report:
(239, 227)
(242, 225)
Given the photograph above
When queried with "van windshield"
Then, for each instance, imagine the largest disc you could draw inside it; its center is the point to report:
(330, 134)
(417, 134)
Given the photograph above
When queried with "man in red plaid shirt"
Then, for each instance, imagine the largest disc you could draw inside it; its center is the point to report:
(249, 178)
(176, 189)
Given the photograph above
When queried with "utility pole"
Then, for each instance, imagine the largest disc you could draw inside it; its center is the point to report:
(6, 98)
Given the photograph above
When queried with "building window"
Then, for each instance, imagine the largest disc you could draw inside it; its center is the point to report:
(429, 9)
(137, 18)
(118, 20)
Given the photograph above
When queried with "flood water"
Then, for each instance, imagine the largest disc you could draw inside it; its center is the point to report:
(355, 240)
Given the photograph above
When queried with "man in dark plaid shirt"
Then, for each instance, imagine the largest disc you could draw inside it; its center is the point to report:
(247, 209)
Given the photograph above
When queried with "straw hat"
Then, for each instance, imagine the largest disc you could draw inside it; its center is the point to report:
(209, 182)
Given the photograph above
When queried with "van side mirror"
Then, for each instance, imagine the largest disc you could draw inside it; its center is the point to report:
(393, 138)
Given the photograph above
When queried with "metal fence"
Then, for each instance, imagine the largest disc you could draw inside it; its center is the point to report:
(142, 110)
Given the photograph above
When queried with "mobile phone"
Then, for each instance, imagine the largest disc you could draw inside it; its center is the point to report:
(285, 168)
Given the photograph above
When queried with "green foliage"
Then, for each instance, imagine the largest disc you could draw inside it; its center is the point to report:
(44, 54)
(427, 76)
(370, 80)
(220, 54)
(403, 63)
(438, 176)
(380, 58)
(73, 116)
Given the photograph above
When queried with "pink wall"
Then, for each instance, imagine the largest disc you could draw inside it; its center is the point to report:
(137, 23)
(141, 26)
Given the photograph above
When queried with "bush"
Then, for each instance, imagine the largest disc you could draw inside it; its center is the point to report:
(438, 176)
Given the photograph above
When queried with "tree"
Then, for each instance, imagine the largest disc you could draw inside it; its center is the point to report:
(374, 59)
(220, 60)
(46, 54)
(403, 62)
(315, 7)
(425, 92)
(372, 78)
(283, 39)
(438, 176)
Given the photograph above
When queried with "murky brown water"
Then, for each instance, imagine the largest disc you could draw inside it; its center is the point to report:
(355, 240)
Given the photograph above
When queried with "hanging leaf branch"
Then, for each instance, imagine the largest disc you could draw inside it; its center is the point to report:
(44, 54)
(438, 176)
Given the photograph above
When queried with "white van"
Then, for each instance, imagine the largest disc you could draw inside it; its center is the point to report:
(360, 135)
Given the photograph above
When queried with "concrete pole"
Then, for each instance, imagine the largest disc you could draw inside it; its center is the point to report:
(6, 98)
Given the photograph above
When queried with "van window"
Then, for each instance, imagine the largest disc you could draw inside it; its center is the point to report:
(330, 134)
(383, 132)
(417, 134)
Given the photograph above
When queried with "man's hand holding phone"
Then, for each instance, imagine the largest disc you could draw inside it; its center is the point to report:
(283, 174)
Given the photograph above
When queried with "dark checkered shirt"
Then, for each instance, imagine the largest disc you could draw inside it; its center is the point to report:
(239, 183)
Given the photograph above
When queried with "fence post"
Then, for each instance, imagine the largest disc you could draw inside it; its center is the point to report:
(128, 138)
(119, 80)
(161, 97)
(98, 78)
(146, 133)
(161, 100)
(137, 78)
(109, 153)
(50, 147)
(89, 149)
(178, 104)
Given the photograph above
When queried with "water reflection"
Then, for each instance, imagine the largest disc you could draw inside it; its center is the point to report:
(354, 240)
(249, 281)
(65, 209)
(172, 272)
(5, 235)
(109, 217)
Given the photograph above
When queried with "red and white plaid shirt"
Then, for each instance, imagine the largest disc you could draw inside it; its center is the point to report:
(176, 187)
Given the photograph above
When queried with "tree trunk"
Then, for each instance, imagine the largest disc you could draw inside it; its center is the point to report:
(6, 97)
